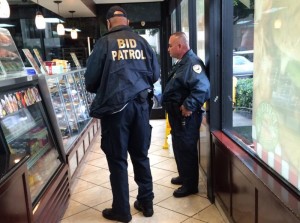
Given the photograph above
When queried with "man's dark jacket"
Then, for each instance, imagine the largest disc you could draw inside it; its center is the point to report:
(187, 83)
(121, 66)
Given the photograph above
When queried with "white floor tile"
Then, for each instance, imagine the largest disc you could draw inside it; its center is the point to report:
(91, 190)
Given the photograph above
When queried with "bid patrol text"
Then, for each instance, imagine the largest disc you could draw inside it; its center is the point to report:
(127, 51)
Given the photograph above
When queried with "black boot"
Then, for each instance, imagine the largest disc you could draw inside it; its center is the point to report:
(109, 214)
(184, 191)
(145, 207)
(176, 181)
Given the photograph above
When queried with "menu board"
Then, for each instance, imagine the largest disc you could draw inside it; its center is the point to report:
(10, 60)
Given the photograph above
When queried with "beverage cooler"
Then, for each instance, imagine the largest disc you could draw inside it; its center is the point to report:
(27, 132)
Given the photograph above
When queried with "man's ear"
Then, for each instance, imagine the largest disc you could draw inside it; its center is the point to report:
(108, 24)
(128, 22)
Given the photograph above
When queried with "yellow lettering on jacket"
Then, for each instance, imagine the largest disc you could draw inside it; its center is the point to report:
(126, 43)
(128, 55)
(131, 54)
(127, 51)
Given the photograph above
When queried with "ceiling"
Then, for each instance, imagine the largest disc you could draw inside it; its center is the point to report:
(82, 8)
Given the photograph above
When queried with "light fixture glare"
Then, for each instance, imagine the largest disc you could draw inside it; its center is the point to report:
(4, 9)
(40, 21)
(60, 29)
(74, 34)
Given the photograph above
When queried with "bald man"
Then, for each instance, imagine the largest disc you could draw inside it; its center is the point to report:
(121, 71)
(186, 91)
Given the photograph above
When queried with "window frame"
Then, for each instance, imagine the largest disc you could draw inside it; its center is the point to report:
(223, 108)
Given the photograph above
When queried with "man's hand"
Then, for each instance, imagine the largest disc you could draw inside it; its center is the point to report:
(185, 112)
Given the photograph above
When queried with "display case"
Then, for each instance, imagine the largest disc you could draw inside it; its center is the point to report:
(70, 103)
(10, 60)
(26, 130)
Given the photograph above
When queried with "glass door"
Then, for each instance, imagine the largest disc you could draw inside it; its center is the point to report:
(152, 35)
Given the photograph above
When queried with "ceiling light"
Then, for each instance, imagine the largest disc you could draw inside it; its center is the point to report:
(4, 9)
(74, 33)
(60, 27)
(40, 20)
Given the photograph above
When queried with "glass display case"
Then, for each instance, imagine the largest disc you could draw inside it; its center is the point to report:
(10, 60)
(70, 102)
(26, 131)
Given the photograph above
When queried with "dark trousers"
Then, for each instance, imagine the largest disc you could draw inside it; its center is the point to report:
(122, 132)
(184, 140)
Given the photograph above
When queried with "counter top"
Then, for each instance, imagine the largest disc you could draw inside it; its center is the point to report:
(9, 163)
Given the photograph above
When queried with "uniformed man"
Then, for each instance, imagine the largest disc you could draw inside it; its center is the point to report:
(121, 71)
(186, 91)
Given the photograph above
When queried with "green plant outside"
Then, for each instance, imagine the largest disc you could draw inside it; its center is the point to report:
(244, 93)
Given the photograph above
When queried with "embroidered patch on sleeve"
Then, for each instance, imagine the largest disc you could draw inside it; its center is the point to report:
(197, 68)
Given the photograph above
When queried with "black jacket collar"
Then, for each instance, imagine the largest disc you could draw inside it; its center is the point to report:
(118, 28)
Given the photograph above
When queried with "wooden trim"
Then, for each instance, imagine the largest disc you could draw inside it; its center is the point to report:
(263, 181)
(81, 140)
(15, 189)
(54, 192)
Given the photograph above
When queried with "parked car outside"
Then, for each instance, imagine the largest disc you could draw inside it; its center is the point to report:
(242, 67)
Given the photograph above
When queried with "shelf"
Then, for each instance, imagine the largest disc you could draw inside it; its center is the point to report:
(34, 158)
(71, 111)
(19, 129)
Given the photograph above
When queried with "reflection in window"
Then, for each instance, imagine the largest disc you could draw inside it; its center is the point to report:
(204, 128)
(242, 58)
(266, 115)
(185, 17)
(173, 22)
(200, 29)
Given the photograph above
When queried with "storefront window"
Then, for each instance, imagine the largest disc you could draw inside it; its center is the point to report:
(185, 16)
(173, 22)
(204, 128)
(200, 29)
(266, 83)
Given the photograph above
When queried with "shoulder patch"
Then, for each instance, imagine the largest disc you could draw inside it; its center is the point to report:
(197, 68)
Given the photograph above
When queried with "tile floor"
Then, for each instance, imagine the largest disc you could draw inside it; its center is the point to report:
(91, 192)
